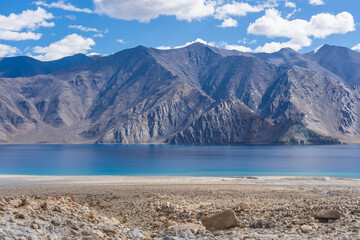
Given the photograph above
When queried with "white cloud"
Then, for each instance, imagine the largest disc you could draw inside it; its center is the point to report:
(300, 32)
(98, 35)
(84, 29)
(163, 47)
(30, 20)
(356, 47)
(145, 10)
(6, 50)
(236, 9)
(198, 40)
(290, 4)
(67, 46)
(62, 4)
(121, 41)
(18, 36)
(316, 2)
(238, 48)
(292, 13)
(228, 22)
(72, 17)
(277, 46)
(246, 41)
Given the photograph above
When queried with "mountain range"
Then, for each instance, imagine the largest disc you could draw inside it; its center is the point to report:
(193, 95)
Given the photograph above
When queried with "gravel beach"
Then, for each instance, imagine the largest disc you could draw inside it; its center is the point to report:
(119, 207)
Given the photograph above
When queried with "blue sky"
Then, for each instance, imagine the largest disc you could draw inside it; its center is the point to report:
(51, 29)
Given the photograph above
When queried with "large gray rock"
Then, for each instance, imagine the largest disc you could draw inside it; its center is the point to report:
(328, 214)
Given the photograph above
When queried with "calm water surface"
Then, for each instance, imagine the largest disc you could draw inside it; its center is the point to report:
(181, 160)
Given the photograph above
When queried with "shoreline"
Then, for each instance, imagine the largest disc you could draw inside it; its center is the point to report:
(32, 180)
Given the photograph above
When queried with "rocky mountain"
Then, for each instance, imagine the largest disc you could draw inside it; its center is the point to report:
(196, 94)
(341, 61)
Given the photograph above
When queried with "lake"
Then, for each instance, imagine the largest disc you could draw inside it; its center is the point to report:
(182, 160)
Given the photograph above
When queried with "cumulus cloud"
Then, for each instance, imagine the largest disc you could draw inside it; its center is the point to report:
(84, 29)
(238, 48)
(356, 47)
(6, 50)
(290, 4)
(145, 10)
(11, 26)
(316, 2)
(228, 22)
(62, 4)
(18, 36)
(68, 46)
(163, 47)
(236, 9)
(300, 32)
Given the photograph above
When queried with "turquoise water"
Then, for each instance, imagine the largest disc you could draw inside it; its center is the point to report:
(182, 160)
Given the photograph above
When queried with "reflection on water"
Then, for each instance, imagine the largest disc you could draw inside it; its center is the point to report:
(194, 160)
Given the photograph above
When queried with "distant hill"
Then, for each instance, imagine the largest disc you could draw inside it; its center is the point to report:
(197, 94)
(13, 67)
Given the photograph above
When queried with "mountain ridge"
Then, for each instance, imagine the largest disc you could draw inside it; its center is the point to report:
(196, 94)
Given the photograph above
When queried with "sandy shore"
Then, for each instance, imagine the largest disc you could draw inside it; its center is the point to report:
(152, 207)
(28, 180)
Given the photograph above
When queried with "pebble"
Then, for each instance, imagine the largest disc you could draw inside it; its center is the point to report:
(135, 233)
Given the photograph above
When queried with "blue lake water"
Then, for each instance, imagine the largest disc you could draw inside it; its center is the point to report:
(182, 160)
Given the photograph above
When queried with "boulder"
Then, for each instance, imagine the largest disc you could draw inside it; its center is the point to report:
(220, 221)
(328, 214)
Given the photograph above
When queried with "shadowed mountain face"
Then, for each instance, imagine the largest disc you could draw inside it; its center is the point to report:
(13, 67)
(341, 61)
(196, 94)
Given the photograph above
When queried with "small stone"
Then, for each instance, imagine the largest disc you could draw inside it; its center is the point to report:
(45, 206)
(22, 215)
(135, 233)
(157, 224)
(72, 225)
(170, 223)
(305, 228)
(186, 234)
(55, 223)
(24, 202)
(244, 206)
(66, 238)
(326, 215)
(220, 221)
(191, 226)
(86, 233)
(109, 231)
(115, 221)
(34, 226)
(41, 217)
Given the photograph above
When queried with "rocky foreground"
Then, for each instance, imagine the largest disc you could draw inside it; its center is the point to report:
(182, 211)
